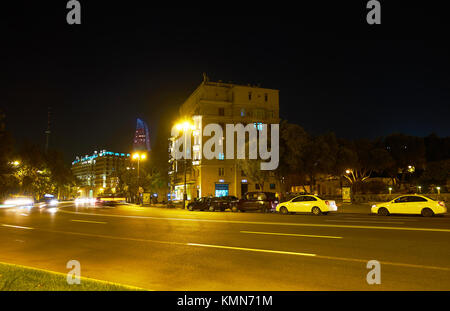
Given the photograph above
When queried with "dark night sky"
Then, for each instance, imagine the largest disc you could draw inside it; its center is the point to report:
(128, 61)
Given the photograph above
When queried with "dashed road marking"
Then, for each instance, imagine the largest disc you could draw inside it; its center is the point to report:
(89, 221)
(294, 234)
(17, 227)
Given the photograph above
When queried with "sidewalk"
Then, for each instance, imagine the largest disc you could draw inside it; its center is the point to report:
(351, 208)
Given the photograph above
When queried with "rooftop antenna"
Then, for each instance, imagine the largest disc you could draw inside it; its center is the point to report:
(47, 132)
(205, 77)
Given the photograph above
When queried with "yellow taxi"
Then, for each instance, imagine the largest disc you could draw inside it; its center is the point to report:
(307, 204)
(410, 204)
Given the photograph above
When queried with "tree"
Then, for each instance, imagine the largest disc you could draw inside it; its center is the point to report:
(8, 182)
(319, 157)
(128, 184)
(365, 158)
(407, 152)
(61, 175)
(436, 173)
(290, 171)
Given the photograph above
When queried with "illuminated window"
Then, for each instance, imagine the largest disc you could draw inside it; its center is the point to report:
(221, 156)
(258, 125)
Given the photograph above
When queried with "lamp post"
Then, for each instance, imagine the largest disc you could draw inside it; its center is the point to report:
(139, 156)
(185, 127)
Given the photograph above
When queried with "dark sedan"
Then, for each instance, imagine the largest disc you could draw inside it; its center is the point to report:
(258, 201)
(224, 203)
(201, 204)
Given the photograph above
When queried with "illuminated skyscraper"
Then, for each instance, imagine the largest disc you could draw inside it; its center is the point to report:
(141, 139)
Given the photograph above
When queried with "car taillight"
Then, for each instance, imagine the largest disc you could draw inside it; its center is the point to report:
(327, 203)
(441, 203)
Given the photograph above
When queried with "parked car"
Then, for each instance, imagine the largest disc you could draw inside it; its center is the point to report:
(201, 204)
(223, 203)
(410, 204)
(307, 204)
(258, 201)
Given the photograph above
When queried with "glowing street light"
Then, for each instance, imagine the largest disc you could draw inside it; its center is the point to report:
(185, 127)
(390, 190)
(438, 190)
(138, 156)
(420, 188)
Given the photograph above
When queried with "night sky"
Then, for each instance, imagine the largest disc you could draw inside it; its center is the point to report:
(334, 72)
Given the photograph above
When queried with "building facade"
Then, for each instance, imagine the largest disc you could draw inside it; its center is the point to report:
(97, 172)
(221, 103)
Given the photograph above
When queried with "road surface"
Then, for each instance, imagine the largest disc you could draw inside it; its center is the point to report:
(173, 249)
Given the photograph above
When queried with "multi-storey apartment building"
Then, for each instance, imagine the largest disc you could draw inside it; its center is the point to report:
(96, 172)
(221, 103)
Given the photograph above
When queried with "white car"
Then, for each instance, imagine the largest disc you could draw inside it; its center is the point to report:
(307, 204)
(410, 204)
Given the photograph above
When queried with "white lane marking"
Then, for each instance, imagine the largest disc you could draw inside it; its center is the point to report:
(88, 221)
(18, 227)
(101, 236)
(373, 221)
(252, 249)
(247, 249)
(23, 214)
(264, 222)
(372, 218)
(399, 264)
(294, 234)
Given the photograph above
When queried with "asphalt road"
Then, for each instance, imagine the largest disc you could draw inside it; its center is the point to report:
(172, 249)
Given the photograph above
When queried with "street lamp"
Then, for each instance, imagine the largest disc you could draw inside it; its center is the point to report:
(390, 190)
(185, 127)
(138, 156)
(438, 190)
(420, 188)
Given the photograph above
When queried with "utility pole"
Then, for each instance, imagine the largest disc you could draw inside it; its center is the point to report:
(47, 132)
(185, 164)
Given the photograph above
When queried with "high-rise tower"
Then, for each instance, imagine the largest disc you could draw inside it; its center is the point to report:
(141, 139)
